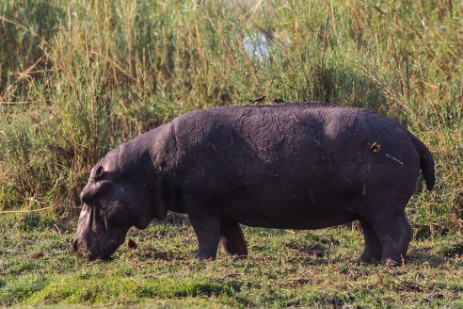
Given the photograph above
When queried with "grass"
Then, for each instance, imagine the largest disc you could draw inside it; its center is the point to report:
(78, 78)
(284, 269)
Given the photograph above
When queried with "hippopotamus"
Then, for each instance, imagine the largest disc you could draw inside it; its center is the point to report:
(285, 166)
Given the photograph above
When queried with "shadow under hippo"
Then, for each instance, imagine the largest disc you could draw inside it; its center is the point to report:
(287, 166)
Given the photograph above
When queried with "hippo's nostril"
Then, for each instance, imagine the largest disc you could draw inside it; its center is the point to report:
(85, 198)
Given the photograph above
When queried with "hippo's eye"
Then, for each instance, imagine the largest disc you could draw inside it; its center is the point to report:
(99, 172)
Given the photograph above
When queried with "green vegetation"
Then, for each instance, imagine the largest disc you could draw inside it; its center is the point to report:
(285, 268)
(79, 77)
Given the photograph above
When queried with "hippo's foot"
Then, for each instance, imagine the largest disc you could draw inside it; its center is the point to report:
(205, 255)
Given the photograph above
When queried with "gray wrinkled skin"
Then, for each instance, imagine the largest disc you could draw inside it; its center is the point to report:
(288, 166)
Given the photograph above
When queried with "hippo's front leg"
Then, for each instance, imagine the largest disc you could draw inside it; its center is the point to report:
(232, 238)
(206, 226)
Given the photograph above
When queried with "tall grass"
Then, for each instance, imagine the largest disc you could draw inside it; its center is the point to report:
(79, 77)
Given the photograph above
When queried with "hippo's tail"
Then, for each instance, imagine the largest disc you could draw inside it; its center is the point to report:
(426, 163)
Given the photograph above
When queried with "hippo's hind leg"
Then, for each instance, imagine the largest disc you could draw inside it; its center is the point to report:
(373, 249)
(232, 238)
(394, 233)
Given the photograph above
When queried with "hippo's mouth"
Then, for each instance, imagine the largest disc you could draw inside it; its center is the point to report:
(82, 250)
(97, 250)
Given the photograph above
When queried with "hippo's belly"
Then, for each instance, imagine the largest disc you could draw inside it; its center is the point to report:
(288, 208)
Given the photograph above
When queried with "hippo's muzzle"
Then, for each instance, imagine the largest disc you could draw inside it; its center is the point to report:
(92, 240)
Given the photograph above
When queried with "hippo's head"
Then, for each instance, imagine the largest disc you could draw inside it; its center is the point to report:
(116, 197)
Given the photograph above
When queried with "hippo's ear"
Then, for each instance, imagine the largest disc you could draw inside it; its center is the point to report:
(99, 171)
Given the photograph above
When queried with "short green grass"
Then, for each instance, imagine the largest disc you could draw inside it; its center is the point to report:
(284, 269)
